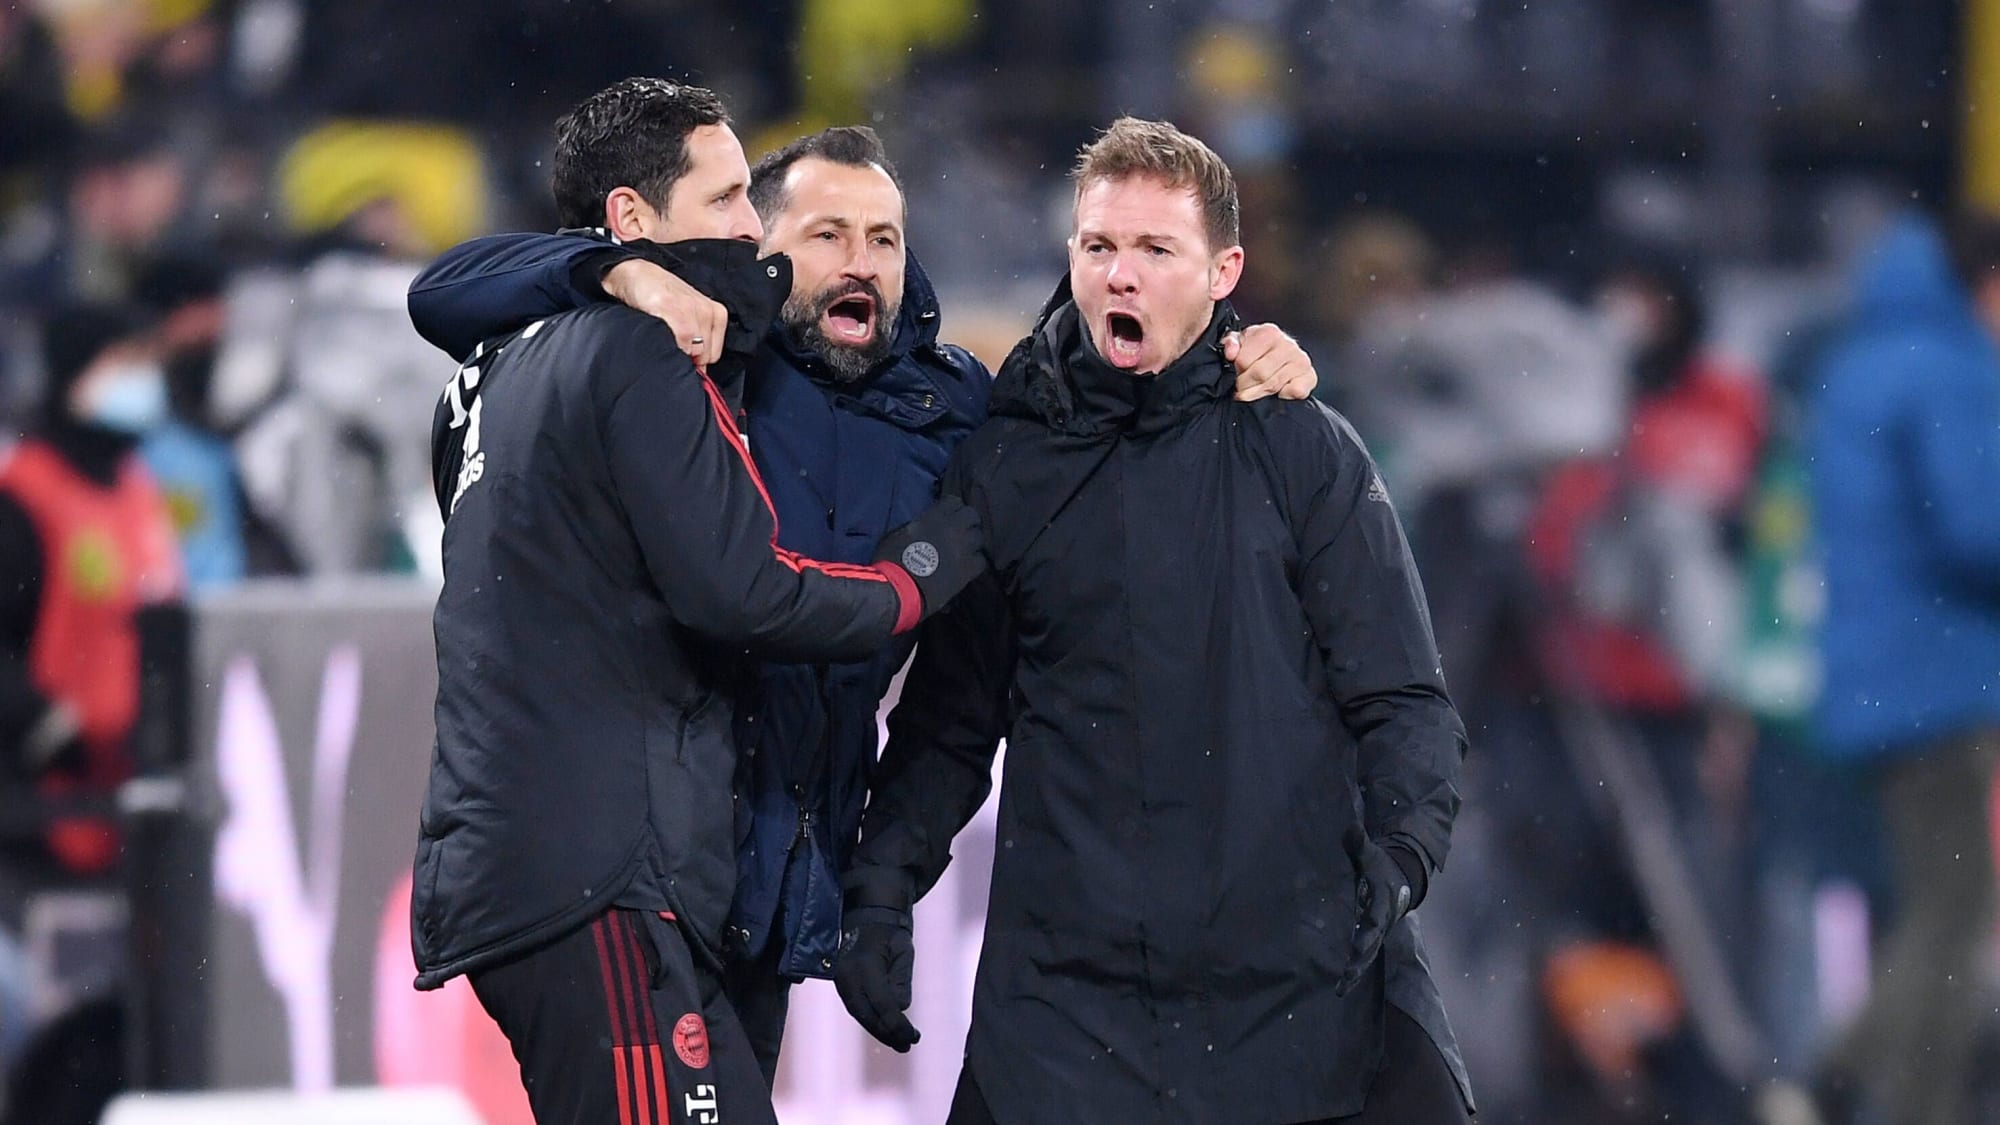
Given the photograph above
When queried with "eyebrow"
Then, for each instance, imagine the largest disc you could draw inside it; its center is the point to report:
(1142, 237)
(845, 223)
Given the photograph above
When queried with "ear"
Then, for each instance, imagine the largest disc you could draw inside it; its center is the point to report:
(1224, 272)
(627, 215)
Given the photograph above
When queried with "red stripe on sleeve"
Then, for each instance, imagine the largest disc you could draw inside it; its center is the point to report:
(910, 609)
(797, 562)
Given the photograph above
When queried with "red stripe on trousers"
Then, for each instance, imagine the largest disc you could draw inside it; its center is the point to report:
(607, 968)
(660, 1082)
(649, 1025)
(653, 1056)
(658, 1063)
(625, 946)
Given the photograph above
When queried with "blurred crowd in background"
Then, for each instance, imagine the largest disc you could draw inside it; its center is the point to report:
(1590, 276)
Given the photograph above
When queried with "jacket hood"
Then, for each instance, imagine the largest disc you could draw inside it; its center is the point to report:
(1907, 273)
(1055, 376)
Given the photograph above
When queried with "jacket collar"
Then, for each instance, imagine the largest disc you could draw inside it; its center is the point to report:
(1056, 377)
(729, 272)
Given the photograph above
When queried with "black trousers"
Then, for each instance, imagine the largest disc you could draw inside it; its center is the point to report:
(762, 998)
(1414, 1087)
(615, 1024)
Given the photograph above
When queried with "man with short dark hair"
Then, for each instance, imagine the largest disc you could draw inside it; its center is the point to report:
(645, 138)
(854, 405)
(835, 309)
(610, 554)
(1231, 763)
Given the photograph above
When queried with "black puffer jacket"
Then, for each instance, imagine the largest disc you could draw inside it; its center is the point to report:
(1207, 647)
(608, 556)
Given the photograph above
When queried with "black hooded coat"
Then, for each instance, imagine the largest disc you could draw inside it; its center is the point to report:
(1206, 645)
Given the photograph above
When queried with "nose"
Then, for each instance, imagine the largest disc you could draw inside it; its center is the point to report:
(1119, 277)
(860, 260)
(744, 223)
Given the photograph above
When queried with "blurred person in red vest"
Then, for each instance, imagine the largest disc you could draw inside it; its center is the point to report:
(85, 543)
(1634, 542)
(1635, 554)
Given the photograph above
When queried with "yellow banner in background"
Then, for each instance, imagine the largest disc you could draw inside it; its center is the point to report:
(1982, 105)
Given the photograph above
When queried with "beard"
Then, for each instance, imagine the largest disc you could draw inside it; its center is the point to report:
(804, 316)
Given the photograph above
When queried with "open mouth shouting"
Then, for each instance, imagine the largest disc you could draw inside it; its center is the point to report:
(1124, 342)
(850, 319)
(847, 326)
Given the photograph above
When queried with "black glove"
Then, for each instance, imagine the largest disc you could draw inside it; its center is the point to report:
(1392, 882)
(942, 551)
(872, 973)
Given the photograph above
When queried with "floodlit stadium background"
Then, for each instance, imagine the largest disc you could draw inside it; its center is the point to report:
(1447, 201)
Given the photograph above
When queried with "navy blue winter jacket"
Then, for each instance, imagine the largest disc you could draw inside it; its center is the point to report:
(844, 464)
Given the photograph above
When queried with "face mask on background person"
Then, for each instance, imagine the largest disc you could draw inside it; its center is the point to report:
(130, 397)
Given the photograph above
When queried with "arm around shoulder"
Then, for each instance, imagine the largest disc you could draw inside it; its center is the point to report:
(493, 285)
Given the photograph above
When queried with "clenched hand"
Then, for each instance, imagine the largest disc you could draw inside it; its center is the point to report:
(698, 322)
(1269, 362)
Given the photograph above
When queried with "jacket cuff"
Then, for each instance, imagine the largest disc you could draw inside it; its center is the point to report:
(884, 888)
(856, 917)
(909, 599)
(586, 276)
(1413, 867)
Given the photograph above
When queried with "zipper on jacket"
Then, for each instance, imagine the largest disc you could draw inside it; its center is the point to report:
(805, 818)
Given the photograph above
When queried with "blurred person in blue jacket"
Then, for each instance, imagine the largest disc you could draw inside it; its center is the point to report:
(1905, 447)
(194, 465)
(853, 406)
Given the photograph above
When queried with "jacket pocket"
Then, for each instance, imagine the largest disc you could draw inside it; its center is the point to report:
(1325, 880)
